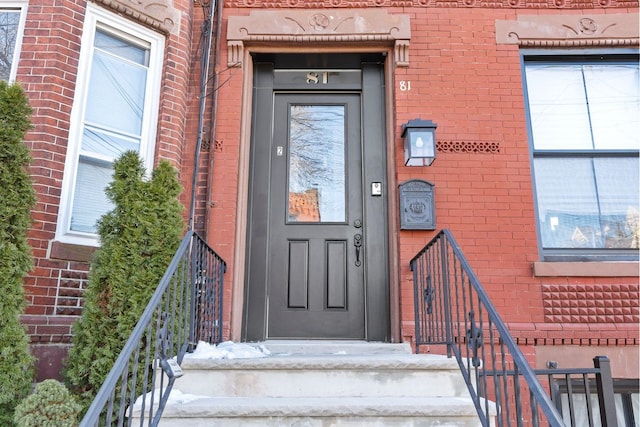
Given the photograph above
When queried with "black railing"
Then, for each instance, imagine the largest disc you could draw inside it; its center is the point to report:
(453, 309)
(186, 308)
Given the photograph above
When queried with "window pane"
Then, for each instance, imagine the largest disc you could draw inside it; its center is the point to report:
(116, 94)
(9, 21)
(121, 48)
(317, 163)
(89, 201)
(619, 200)
(587, 203)
(580, 410)
(106, 144)
(558, 108)
(614, 104)
(567, 204)
(112, 124)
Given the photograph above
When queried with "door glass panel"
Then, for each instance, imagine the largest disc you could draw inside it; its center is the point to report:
(317, 191)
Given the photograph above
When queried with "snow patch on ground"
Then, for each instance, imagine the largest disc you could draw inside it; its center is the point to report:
(175, 397)
(227, 350)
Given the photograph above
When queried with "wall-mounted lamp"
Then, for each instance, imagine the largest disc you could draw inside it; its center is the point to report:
(419, 142)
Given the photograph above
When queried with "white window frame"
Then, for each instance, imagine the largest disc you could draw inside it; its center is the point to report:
(95, 18)
(22, 6)
(557, 254)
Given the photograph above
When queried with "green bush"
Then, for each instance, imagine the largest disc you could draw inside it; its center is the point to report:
(17, 197)
(51, 405)
(138, 240)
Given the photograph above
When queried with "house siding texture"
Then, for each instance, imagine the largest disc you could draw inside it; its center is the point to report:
(460, 74)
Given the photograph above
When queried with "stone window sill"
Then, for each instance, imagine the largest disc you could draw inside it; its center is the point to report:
(587, 269)
(70, 252)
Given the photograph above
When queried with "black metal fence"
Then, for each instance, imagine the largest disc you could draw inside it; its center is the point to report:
(186, 308)
(453, 309)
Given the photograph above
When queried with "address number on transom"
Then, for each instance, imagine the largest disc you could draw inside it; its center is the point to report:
(317, 78)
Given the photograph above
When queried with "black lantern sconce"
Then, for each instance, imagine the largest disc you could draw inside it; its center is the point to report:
(419, 142)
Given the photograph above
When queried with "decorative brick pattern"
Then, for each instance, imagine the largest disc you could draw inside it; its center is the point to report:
(71, 286)
(478, 147)
(49, 329)
(498, 4)
(578, 303)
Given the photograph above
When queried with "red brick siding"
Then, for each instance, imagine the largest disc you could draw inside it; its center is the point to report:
(472, 88)
(47, 71)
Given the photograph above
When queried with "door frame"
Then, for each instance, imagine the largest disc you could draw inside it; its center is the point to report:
(240, 248)
(289, 74)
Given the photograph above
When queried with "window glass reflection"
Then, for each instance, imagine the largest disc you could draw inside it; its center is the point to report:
(317, 191)
(9, 22)
(588, 203)
(584, 106)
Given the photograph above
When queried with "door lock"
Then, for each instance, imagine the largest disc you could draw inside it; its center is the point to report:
(357, 223)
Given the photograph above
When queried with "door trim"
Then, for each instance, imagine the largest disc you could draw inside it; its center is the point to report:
(237, 278)
(339, 26)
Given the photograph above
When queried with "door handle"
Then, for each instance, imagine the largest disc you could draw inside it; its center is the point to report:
(357, 242)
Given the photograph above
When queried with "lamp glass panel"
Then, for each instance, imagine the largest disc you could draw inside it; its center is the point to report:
(422, 144)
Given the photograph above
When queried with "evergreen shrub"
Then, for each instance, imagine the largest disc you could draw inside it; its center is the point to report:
(17, 198)
(51, 405)
(138, 240)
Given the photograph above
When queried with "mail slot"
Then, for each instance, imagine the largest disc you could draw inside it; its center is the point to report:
(417, 208)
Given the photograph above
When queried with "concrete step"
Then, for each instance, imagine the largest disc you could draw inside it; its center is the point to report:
(324, 375)
(322, 384)
(318, 347)
(323, 412)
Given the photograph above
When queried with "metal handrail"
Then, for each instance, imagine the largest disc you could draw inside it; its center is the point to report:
(453, 309)
(185, 308)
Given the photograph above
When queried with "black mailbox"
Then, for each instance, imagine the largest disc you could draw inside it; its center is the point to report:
(417, 210)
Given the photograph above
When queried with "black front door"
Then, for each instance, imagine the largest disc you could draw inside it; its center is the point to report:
(315, 254)
(315, 268)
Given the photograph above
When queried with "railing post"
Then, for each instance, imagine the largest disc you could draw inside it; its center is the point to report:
(604, 385)
(416, 305)
(220, 268)
(193, 267)
(448, 324)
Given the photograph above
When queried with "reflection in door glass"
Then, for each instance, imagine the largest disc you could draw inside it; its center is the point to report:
(316, 163)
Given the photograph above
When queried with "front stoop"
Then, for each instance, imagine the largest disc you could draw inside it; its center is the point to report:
(323, 384)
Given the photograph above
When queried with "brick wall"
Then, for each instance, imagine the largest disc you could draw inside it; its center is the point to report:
(47, 71)
(471, 86)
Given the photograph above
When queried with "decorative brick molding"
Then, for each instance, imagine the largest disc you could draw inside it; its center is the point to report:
(607, 30)
(157, 14)
(49, 329)
(582, 341)
(71, 287)
(580, 303)
(477, 147)
(354, 26)
(490, 4)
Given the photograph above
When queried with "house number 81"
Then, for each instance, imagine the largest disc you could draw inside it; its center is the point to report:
(405, 85)
(315, 78)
